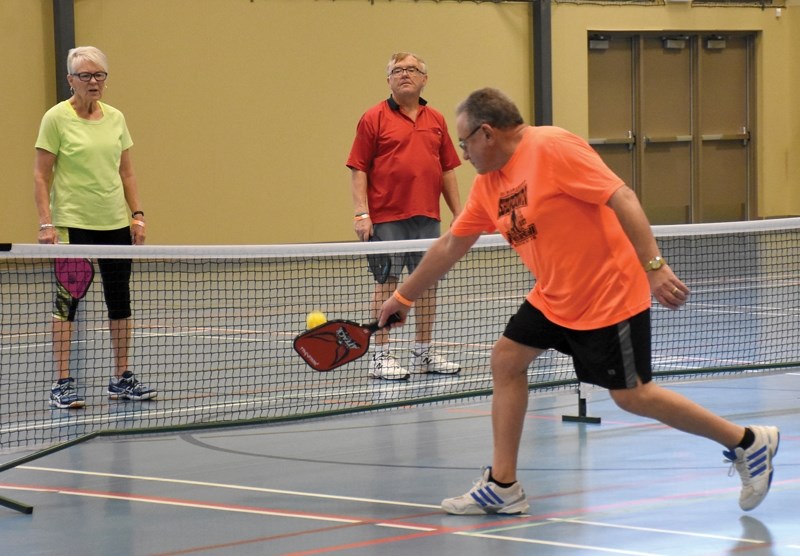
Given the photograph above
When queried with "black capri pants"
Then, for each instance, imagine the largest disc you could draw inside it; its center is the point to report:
(115, 274)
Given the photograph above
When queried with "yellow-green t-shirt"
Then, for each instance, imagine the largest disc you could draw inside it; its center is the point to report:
(87, 189)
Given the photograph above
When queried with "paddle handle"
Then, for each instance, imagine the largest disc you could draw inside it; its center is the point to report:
(373, 326)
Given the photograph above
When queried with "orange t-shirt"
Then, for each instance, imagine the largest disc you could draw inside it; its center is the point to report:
(549, 202)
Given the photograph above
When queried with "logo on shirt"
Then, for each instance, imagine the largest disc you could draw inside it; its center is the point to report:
(509, 205)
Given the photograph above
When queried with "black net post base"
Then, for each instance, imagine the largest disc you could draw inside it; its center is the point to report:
(20, 506)
(581, 417)
(17, 506)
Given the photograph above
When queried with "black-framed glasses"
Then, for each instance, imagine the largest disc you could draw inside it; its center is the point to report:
(463, 142)
(87, 75)
(410, 70)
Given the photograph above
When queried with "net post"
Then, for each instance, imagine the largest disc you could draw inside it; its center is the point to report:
(581, 417)
(19, 506)
(14, 505)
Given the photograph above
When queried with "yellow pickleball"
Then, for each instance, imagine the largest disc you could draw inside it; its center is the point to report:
(315, 318)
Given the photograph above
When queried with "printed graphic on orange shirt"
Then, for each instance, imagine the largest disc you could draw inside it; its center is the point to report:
(520, 231)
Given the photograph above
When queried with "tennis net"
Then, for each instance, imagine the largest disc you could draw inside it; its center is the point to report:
(213, 328)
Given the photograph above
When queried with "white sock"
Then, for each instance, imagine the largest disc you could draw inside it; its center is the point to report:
(421, 348)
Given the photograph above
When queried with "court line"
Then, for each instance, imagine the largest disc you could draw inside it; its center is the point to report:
(419, 531)
(355, 521)
(706, 493)
(555, 543)
(411, 527)
(656, 530)
(229, 487)
(181, 503)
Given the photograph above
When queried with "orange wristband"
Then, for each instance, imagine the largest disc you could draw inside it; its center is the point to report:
(407, 302)
(137, 223)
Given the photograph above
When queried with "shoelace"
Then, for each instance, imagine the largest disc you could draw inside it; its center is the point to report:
(129, 384)
(65, 388)
(730, 457)
(480, 481)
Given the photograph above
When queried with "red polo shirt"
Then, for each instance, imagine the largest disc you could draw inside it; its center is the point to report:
(404, 160)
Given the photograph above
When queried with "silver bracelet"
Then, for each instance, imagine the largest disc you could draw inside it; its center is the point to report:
(45, 227)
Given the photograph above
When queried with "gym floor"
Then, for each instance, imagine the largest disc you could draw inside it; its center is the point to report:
(371, 483)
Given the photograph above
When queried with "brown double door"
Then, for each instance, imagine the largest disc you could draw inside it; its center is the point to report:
(672, 114)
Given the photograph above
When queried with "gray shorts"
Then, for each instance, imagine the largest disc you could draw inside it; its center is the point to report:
(383, 266)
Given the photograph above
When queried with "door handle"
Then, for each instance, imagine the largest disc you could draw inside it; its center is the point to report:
(629, 139)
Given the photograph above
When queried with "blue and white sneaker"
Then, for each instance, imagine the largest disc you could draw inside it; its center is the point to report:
(128, 388)
(64, 396)
(755, 465)
(485, 497)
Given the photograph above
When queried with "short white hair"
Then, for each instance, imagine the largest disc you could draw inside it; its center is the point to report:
(89, 53)
(400, 56)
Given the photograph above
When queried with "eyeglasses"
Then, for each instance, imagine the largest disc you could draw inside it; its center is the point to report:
(463, 142)
(87, 75)
(410, 70)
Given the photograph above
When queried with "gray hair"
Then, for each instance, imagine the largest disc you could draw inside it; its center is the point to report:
(490, 106)
(90, 53)
(398, 56)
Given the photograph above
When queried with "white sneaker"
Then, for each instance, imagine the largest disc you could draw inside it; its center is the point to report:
(485, 497)
(384, 365)
(755, 465)
(428, 362)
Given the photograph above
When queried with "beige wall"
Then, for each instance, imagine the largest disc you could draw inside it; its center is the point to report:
(788, 163)
(243, 111)
(26, 36)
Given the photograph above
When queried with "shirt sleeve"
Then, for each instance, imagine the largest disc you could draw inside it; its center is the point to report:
(581, 172)
(362, 152)
(49, 138)
(448, 154)
(126, 141)
(474, 219)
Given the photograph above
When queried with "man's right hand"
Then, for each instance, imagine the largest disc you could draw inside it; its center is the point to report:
(363, 229)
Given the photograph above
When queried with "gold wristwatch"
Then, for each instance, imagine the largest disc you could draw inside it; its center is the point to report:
(655, 263)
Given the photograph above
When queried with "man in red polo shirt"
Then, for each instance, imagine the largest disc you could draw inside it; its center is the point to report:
(402, 161)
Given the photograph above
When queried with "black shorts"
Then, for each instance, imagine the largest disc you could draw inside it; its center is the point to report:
(384, 266)
(612, 357)
(115, 274)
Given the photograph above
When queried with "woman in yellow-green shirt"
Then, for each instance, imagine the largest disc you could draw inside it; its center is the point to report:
(86, 193)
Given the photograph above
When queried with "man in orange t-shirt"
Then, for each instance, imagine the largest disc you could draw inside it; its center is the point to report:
(584, 236)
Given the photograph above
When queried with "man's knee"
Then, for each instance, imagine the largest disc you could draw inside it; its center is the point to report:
(510, 358)
(633, 400)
